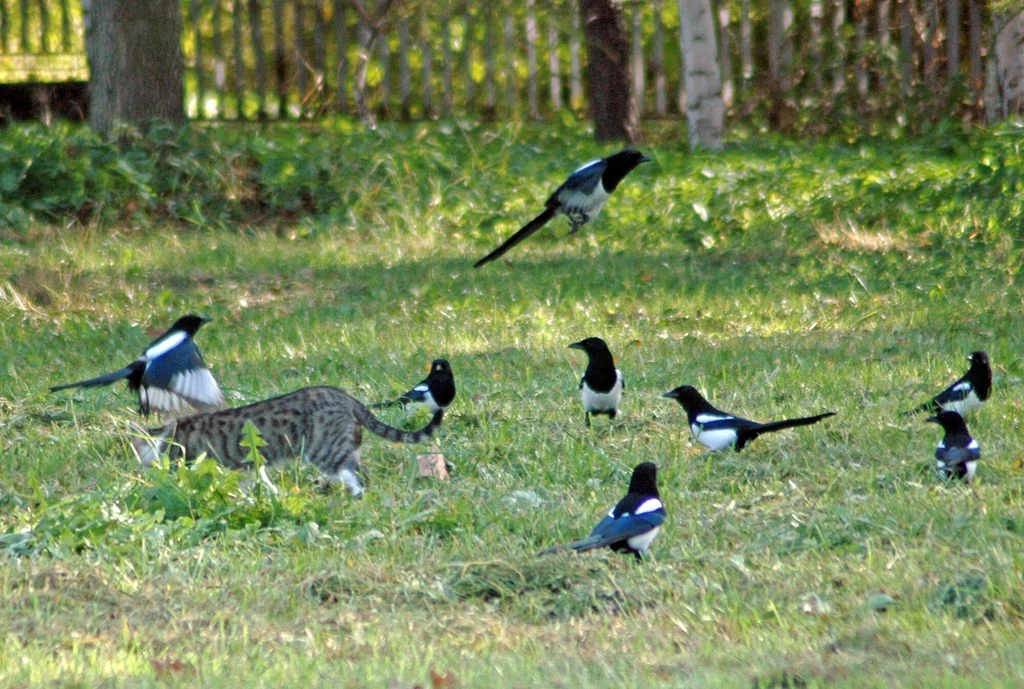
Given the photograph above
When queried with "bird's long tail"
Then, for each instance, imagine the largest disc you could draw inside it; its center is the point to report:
(790, 423)
(589, 543)
(105, 379)
(930, 405)
(384, 405)
(528, 229)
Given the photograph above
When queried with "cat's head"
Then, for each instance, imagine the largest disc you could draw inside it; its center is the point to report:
(148, 444)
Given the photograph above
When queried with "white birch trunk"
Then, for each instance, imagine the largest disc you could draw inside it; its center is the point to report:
(638, 61)
(554, 66)
(532, 35)
(705, 111)
(575, 71)
(1008, 54)
(724, 52)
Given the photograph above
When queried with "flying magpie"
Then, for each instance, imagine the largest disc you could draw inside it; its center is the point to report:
(957, 454)
(632, 524)
(580, 197)
(602, 383)
(717, 430)
(436, 391)
(968, 393)
(170, 376)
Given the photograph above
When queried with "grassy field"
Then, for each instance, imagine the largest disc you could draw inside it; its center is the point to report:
(781, 278)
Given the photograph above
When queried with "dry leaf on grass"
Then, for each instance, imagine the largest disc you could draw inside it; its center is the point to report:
(432, 465)
(446, 681)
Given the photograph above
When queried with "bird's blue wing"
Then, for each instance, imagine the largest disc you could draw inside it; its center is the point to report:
(611, 530)
(583, 181)
(952, 456)
(957, 392)
(161, 370)
(417, 394)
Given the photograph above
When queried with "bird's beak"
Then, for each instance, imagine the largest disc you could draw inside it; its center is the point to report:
(205, 319)
(576, 345)
(671, 394)
(644, 159)
(933, 419)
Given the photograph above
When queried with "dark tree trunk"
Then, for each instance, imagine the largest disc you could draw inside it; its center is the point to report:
(607, 74)
(135, 63)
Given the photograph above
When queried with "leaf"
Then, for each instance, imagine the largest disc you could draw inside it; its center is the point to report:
(433, 465)
(446, 681)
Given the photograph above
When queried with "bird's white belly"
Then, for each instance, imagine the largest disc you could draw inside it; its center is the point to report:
(714, 440)
(972, 466)
(965, 406)
(644, 540)
(602, 401)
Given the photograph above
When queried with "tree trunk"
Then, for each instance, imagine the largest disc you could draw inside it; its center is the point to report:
(907, 45)
(532, 36)
(658, 63)
(607, 73)
(977, 63)
(637, 61)
(136, 63)
(952, 41)
(725, 51)
(705, 111)
(1009, 64)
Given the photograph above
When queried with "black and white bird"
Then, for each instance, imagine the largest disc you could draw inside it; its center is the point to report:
(957, 454)
(170, 376)
(580, 197)
(717, 430)
(632, 524)
(968, 393)
(436, 391)
(602, 384)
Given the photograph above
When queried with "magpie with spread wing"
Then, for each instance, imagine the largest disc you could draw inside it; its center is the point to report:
(580, 198)
(717, 430)
(170, 376)
(632, 524)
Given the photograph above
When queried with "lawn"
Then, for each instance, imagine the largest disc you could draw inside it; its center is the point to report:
(781, 278)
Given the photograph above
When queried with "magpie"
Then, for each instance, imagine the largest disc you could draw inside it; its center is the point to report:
(602, 383)
(580, 197)
(717, 430)
(968, 393)
(436, 391)
(170, 376)
(957, 454)
(632, 524)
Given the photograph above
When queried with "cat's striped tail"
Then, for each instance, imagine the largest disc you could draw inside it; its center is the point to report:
(397, 435)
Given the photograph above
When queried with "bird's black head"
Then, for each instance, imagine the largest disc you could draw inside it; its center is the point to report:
(440, 367)
(644, 480)
(190, 323)
(950, 421)
(691, 400)
(620, 165)
(979, 358)
(593, 346)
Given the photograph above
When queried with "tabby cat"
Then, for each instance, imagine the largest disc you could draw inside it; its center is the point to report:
(323, 425)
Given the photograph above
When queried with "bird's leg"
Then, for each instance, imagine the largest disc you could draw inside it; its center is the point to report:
(586, 418)
(578, 220)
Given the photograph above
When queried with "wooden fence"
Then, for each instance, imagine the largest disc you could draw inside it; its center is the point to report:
(248, 59)
(507, 58)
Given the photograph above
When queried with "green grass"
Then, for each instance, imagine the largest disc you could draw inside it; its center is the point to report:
(780, 278)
